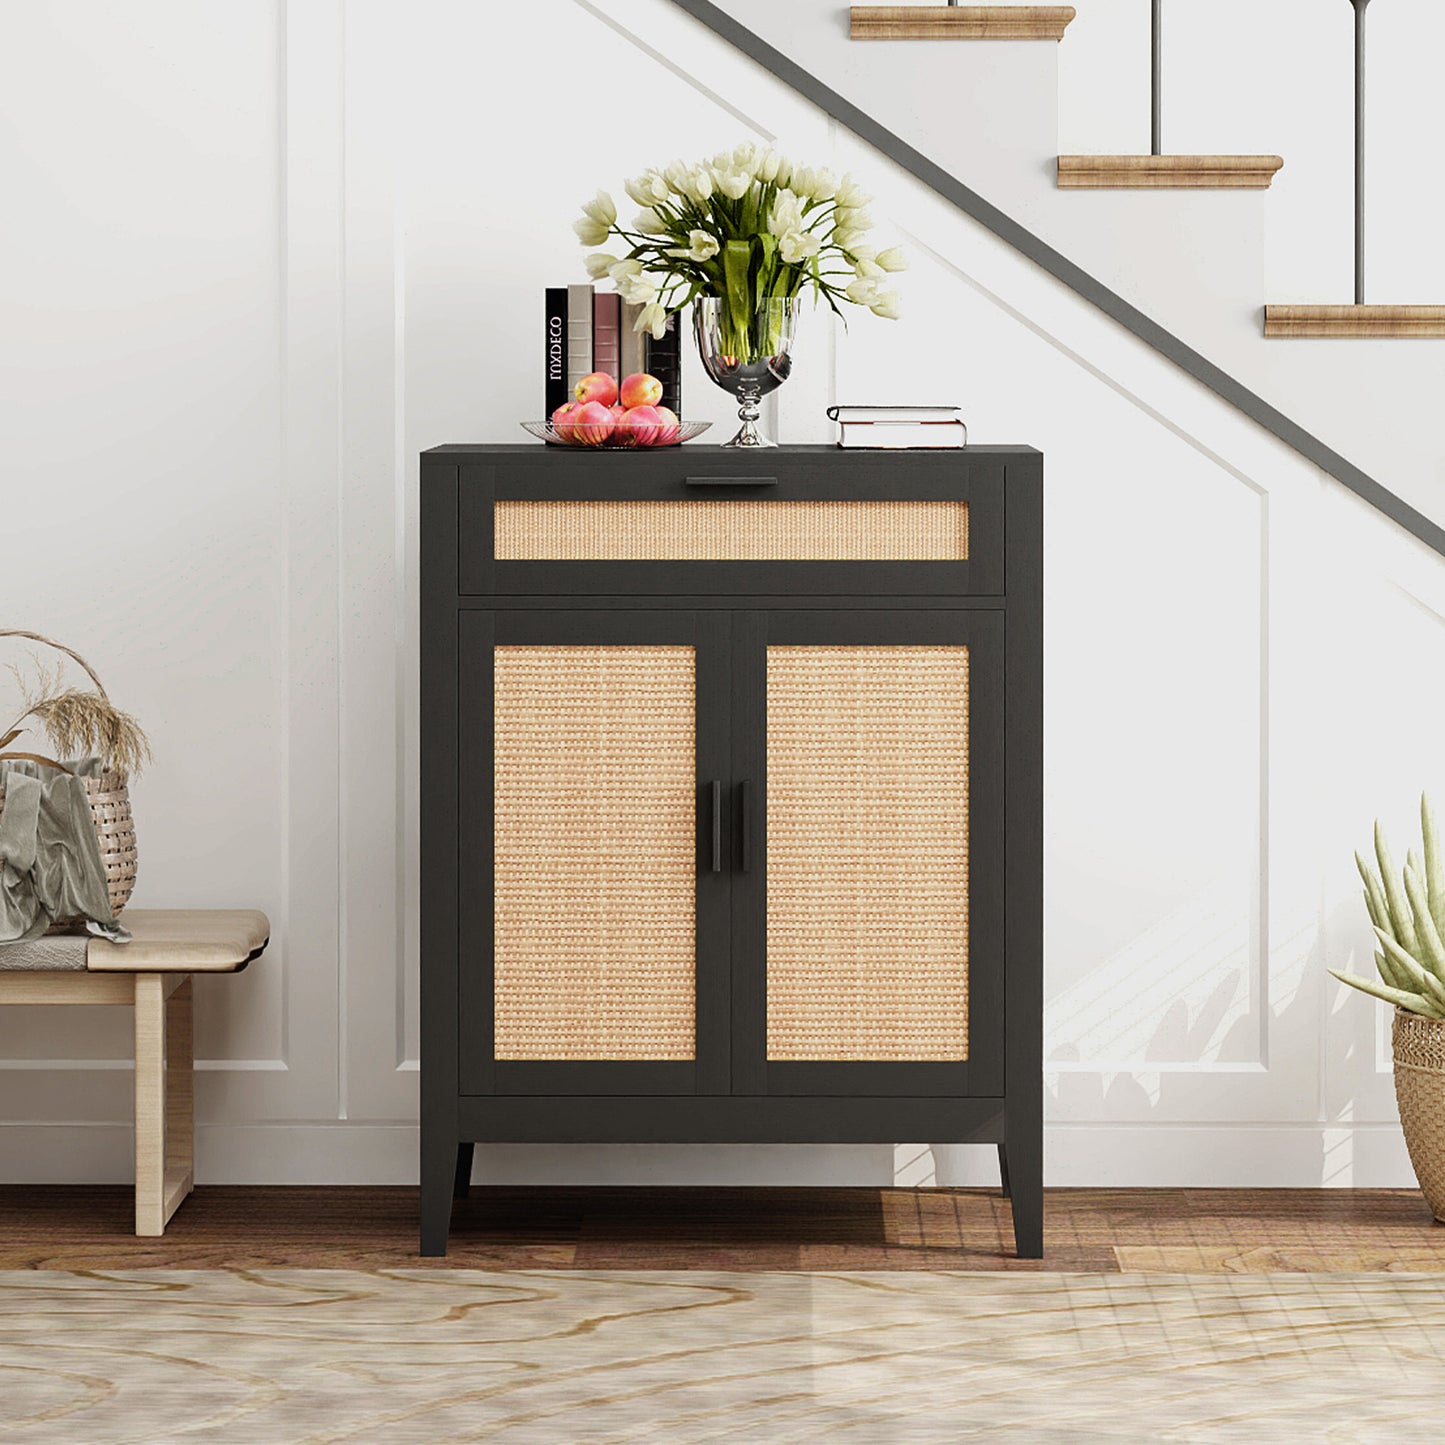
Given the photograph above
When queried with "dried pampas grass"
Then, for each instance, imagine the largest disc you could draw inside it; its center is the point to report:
(78, 723)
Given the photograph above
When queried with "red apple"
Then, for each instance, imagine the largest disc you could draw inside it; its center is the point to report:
(591, 424)
(644, 425)
(622, 435)
(562, 420)
(640, 389)
(671, 426)
(597, 386)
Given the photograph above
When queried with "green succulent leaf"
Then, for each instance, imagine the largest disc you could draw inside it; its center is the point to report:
(1412, 1002)
(1375, 901)
(1402, 922)
(1395, 977)
(1421, 979)
(1434, 864)
(1431, 952)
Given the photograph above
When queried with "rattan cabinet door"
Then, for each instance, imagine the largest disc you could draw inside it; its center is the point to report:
(593, 879)
(867, 944)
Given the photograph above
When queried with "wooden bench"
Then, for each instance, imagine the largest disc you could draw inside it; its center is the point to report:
(152, 973)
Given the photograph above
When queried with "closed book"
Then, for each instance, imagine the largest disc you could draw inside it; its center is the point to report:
(664, 361)
(606, 341)
(895, 413)
(555, 369)
(579, 334)
(633, 357)
(902, 435)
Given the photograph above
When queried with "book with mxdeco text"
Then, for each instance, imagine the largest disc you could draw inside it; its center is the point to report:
(555, 367)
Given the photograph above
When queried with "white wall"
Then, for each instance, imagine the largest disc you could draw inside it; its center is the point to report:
(258, 257)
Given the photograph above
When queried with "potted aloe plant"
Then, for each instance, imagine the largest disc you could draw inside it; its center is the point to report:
(1407, 909)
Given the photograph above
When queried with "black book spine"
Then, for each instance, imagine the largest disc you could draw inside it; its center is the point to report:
(664, 361)
(556, 349)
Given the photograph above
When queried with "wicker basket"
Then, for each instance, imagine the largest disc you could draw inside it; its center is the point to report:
(1420, 1093)
(109, 795)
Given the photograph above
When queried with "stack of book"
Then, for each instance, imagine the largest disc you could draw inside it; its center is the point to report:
(899, 428)
(590, 330)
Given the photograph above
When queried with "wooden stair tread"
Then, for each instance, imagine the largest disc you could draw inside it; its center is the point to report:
(960, 22)
(1151, 173)
(1378, 322)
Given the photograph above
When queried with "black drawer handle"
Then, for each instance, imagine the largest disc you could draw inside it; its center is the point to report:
(715, 792)
(730, 481)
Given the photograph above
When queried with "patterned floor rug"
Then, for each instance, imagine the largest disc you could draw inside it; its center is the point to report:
(542, 1357)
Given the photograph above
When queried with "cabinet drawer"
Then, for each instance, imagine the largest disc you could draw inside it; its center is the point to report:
(827, 523)
(737, 530)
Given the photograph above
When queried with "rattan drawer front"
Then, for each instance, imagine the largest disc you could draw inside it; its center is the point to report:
(595, 834)
(867, 853)
(744, 530)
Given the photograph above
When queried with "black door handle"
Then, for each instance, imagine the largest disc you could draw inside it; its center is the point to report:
(715, 792)
(730, 481)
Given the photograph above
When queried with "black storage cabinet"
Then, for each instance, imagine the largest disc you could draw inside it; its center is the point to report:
(731, 803)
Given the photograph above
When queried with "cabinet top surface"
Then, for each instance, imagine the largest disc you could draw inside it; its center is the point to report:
(716, 453)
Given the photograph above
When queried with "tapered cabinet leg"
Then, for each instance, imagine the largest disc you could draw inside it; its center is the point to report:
(1023, 1171)
(462, 1185)
(1003, 1170)
(439, 1159)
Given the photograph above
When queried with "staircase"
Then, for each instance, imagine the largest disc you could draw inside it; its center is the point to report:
(978, 123)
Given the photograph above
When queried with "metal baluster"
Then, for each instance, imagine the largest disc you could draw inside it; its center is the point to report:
(1360, 6)
(1156, 79)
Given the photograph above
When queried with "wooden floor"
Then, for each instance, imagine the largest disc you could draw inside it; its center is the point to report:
(1168, 1230)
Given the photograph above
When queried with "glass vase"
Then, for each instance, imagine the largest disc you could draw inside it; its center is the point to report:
(746, 352)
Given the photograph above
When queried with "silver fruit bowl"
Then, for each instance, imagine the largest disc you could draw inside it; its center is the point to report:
(617, 440)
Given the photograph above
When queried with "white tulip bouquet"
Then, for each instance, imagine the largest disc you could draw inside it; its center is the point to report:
(748, 227)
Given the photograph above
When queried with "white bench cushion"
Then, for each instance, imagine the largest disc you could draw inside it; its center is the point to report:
(59, 953)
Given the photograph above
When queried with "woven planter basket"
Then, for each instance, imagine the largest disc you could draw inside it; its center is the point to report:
(1420, 1093)
(109, 796)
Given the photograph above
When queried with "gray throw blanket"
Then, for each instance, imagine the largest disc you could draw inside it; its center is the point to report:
(50, 864)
